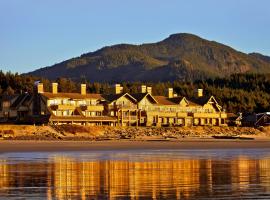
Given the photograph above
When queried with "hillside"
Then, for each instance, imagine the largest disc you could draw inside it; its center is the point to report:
(178, 57)
(261, 57)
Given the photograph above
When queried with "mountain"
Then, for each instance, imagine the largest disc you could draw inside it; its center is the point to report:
(179, 57)
(261, 57)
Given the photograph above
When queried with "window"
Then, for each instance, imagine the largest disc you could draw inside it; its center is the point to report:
(65, 113)
(98, 113)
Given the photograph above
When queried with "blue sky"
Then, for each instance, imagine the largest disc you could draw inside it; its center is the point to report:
(36, 34)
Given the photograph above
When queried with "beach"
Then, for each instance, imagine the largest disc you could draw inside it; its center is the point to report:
(29, 138)
(57, 146)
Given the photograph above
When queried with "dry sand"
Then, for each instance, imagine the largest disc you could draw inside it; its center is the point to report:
(49, 146)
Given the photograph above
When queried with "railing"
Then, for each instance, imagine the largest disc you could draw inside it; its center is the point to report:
(92, 107)
(179, 110)
(130, 118)
(63, 107)
(116, 107)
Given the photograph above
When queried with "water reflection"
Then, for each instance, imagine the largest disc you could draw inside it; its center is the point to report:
(157, 177)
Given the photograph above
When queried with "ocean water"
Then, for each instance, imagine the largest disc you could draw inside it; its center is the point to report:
(145, 174)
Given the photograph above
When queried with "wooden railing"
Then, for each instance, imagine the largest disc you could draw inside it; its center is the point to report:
(117, 107)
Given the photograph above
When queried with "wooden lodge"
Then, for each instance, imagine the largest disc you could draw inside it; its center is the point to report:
(116, 109)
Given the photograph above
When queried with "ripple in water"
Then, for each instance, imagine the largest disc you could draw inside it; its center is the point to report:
(176, 174)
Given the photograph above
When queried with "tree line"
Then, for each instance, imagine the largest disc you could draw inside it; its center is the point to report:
(245, 93)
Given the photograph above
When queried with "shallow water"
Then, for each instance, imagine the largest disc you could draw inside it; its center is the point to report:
(177, 174)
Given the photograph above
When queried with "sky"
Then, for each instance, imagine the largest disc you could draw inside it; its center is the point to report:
(36, 33)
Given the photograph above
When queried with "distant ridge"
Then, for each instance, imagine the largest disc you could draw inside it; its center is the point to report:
(181, 56)
(261, 57)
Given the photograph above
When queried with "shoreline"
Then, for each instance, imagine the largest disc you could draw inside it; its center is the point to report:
(29, 138)
(12, 146)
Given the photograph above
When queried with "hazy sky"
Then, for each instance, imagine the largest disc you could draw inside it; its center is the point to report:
(36, 33)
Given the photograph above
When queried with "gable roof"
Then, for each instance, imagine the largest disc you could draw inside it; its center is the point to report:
(113, 97)
(217, 105)
(262, 116)
(22, 100)
(141, 96)
(72, 95)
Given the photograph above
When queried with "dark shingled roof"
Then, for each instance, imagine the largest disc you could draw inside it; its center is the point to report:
(199, 100)
(72, 95)
(21, 100)
(232, 115)
(140, 96)
(113, 97)
(164, 100)
(176, 100)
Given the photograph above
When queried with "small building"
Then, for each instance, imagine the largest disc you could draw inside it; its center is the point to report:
(262, 119)
(234, 120)
(256, 120)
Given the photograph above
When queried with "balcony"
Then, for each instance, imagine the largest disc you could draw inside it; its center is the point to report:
(62, 107)
(131, 118)
(224, 115)
(182, 114)
(124, 107)
(92, 108)
(206, 115)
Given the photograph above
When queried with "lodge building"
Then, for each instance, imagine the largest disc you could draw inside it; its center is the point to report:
(116, 109)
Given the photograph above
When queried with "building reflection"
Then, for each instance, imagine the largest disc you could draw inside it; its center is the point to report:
(4, 174)
(115, 179)
(67, 178)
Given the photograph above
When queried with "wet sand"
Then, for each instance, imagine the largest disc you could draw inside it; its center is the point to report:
(57, 146)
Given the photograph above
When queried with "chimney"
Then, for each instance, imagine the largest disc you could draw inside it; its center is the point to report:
(54, 88)
(83, 89)
(40, 88)
(200, 92)
(118, 89)
(170, 92)
(149, 90)
(143, 89)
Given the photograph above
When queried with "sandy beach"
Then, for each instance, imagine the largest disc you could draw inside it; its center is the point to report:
(23, 138)
(49, 146)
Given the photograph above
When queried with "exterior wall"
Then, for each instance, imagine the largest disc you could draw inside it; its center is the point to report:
(124, 102)
(183, 115)
(125, 110)
(67, 107)
(145, 104)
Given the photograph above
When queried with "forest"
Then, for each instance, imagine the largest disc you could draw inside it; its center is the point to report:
(245, 93)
